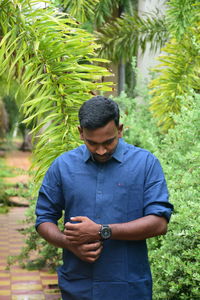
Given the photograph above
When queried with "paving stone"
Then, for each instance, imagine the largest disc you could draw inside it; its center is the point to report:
(17, 283)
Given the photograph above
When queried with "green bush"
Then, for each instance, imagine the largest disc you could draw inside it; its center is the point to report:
(175, 257)
(139, 127)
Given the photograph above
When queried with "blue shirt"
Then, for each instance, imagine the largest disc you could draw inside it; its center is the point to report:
(127, 187)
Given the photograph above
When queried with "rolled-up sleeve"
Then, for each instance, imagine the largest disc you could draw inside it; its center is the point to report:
(50, 203)
(156, 196)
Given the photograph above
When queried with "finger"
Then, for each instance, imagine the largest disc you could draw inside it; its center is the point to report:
(99, 242)
(73, 239)
(71, 232)
(90, 259)
(93, 246)
(91, 256)
(78, 219)
(70, 226)
(94, 254)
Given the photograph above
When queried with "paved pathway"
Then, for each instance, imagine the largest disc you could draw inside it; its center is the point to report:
(18, 283)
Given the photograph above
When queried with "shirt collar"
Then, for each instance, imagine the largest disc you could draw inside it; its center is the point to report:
(86, 154)
(119, 151)
(118, 154)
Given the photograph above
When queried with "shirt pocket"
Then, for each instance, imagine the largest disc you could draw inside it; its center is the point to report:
(127, 201)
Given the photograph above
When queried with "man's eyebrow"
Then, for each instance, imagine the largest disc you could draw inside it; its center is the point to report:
(90, 141)
(109, 140)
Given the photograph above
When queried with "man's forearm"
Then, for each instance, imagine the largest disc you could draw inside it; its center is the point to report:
(51, 233)
(139, 229)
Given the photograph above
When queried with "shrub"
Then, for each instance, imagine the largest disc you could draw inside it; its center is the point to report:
(175, 257)
(139, 127)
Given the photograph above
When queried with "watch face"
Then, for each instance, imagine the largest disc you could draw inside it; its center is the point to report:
(106, 232)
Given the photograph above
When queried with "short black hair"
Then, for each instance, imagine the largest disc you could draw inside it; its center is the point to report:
(97, 112)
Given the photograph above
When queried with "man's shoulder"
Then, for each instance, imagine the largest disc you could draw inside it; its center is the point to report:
(76, 153)
(134, 150)
(139, 158)
(68, 158)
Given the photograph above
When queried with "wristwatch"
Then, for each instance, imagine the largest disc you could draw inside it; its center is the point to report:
(105, 232)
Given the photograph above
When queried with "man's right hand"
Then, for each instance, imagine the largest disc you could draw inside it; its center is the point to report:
(87, 252)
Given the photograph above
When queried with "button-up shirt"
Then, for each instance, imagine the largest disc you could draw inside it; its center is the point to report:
(127, 187)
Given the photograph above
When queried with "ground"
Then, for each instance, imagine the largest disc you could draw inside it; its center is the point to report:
(18, 283)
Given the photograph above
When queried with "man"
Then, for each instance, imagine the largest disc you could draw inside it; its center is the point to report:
(114, 197)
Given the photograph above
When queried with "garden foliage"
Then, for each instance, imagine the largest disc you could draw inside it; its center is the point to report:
(4, 199)
(3, 119)
(177, 31)
(55, 66)
(97, 12)
(140, 128)
(175, 258)
(179, 63)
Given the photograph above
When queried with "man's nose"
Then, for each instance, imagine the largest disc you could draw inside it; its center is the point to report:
(101, 150)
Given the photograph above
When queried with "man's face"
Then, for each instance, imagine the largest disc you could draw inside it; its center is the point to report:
(101, 142)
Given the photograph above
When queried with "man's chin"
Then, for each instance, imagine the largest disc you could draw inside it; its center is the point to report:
(101, 159)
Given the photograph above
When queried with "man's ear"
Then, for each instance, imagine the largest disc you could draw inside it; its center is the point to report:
(80, 129)
(120, 130)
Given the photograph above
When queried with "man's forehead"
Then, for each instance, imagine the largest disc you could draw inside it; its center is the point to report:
(100, 134)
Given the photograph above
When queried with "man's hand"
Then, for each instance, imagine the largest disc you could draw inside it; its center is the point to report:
(87, 252)
(83, 232)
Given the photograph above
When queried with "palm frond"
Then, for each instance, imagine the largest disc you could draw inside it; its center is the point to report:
(82, 10)
(179, 76)
(97, 11)
(180, 15)
(106, 10)
(121, 38)
(54, 63)
(178, 71)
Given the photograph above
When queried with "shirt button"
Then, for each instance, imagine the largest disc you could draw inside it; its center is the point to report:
(99, 192)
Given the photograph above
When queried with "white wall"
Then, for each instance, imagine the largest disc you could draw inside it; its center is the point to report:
(147, 60)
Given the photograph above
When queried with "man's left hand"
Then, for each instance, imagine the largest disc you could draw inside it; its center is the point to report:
(84, 231)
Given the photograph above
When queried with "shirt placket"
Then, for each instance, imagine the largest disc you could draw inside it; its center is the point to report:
(99, 194)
